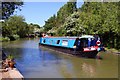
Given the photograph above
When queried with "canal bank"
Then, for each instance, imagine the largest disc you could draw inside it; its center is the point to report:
(113, 51)
(8, 72)
(11, 74)
(35, 62)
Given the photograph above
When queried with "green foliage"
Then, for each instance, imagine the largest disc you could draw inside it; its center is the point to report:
(10, 56)
(60, 31)
(8, 8)
(2, 39)
(71, 24)
(36, 25)
(66, 11)
(22, 30)
(16, 27)
(32, 28)
(50, 23)
(16, 36)
(102, 19)
(56, 21)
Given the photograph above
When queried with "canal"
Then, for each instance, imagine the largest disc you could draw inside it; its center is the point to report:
(35, 62)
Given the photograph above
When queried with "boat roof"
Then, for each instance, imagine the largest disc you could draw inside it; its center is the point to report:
(86, 36)
(73, 37)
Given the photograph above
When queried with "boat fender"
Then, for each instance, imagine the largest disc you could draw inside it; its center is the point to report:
(98, 49)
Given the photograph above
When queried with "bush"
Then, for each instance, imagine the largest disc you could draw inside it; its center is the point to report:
(14, 37)
(2, 39)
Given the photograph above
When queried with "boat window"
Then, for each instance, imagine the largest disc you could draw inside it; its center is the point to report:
(58, 41)
(44, 41)
(65, 42)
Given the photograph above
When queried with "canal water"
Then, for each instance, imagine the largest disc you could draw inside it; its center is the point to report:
(36, 62)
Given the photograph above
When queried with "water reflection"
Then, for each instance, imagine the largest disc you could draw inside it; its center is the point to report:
(88, 69)
(47, 58)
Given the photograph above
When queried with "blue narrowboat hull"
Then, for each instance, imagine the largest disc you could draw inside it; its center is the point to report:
(91, 54)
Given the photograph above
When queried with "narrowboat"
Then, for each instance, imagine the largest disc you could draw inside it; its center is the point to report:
(84, 46)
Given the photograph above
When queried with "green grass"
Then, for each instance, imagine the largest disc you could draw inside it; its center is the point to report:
(112, 49)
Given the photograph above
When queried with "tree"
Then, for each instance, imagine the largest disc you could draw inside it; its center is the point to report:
(36, 25)
(23, 30)
(8, 8)
(15, 25)
(66, 11)
(102, 18)
(71, 24)
(50, 23)
(56, 21)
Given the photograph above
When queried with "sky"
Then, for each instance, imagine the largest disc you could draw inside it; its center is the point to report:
(39, 12)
